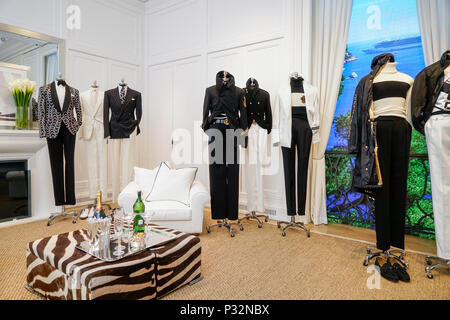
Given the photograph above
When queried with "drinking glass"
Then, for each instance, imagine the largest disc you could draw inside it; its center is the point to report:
(92, 231)
(118, 230)
(128, 220)
(148, 215)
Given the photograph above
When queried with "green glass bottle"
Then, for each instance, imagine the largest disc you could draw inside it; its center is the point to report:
(139, 209)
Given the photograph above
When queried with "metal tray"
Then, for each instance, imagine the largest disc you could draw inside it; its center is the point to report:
(153, 238)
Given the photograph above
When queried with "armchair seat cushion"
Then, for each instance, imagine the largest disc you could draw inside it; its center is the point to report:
(168, 211)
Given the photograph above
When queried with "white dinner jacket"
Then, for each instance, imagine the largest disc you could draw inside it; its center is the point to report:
(91, 111)
(282, 115)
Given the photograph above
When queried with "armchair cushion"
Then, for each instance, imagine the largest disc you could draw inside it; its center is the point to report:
(172, 185)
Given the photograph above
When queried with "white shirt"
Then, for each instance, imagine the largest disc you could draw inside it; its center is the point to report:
(61, 93)
(443, 101)
(120, 88)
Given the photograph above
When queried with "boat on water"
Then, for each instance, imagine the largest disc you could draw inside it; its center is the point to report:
(349, 57)
(395, 45)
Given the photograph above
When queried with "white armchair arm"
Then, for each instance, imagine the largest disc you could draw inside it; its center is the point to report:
(199, 197)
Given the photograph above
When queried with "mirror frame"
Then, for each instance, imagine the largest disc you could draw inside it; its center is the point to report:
(43, 37)
(61, 54)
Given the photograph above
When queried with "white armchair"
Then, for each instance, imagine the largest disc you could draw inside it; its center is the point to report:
(172, 214)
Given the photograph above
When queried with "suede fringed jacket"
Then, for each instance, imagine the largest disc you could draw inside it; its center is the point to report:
(363, 134)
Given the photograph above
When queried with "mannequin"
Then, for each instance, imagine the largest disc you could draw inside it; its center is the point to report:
(296, 118)
(224, 121)
(122, 113)
(92, 133)
(259, 116)
(60, 117)
(431, 116)
(391, 97)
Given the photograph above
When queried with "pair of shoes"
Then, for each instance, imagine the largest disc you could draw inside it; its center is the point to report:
(87, 213)
(386, 269)
(400, 270)
(392, 270)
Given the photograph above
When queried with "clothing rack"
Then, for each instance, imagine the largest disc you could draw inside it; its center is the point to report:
(293, 224)
(226, 224)
(430, 266)
(63, 213)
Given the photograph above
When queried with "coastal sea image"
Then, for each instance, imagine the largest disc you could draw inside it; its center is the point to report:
(363, 45)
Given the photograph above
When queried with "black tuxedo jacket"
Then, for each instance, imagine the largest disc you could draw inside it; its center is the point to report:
(122, 122)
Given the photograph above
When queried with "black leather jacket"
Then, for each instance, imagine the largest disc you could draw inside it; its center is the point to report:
(426, 89)
(363, 134)
(225, 99)
(258, 106)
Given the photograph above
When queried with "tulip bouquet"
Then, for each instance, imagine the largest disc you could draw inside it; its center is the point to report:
(22, 90)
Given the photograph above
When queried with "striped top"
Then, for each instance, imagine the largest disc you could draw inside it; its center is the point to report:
(392, 92)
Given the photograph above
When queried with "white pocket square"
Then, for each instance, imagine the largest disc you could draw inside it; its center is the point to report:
(133, 99)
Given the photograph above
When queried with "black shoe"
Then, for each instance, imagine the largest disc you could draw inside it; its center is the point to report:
(400, 270)
(386, 269)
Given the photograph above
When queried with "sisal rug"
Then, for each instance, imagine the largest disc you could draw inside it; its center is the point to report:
(256, 264)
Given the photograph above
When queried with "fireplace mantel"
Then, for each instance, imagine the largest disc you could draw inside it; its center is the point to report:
(26, 145)
(20, 141)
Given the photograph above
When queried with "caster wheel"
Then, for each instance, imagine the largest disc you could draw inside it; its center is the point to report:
(267, 219)
(429, 276)
(232, 235)
(429, 263)
(48, 224)
(365, 263)
(308, 234)
(260, 226)
(278, 225)
(241, 228)
(208, 230)
(283, 234)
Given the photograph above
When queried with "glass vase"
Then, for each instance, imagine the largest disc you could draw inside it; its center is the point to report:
(22, 121)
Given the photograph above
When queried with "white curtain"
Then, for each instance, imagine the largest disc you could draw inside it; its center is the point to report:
(51, 68)
(434, 22)
(330, 25)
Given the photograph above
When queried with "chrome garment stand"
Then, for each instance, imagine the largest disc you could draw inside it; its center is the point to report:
(63, 213)
(386, 254)
(430, 266)
(226, 224)
(292, 224)
(255, 216)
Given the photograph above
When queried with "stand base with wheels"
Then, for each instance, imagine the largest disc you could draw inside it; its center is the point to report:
(292, 224)
(386, 254)
(226, 224)
(430, 266)
(256, 217)
(63, 213)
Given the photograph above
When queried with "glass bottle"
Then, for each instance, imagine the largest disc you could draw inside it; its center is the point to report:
(99, 212)
(139, 209)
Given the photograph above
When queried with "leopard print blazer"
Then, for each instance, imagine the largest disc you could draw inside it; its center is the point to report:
(51, 115)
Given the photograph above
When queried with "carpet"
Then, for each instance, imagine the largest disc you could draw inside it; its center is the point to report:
(256, 264)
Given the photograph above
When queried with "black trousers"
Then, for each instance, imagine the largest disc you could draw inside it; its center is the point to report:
(301, 140)
(63, 148)
(394, 140)
(224, 173)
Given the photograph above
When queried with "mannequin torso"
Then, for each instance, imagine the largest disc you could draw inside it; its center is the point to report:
(391, 92)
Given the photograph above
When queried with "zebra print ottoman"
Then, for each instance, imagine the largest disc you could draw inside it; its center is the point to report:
(57, 270)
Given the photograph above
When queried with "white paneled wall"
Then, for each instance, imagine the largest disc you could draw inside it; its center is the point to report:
(107, 47)
(188, 42)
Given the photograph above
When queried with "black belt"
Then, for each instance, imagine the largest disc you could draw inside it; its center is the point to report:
(224, 121)
(440, 112)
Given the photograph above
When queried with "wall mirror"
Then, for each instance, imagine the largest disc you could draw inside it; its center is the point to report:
(26, 54)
